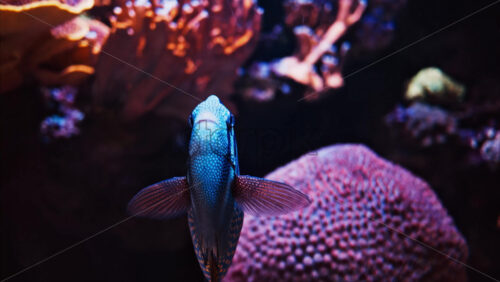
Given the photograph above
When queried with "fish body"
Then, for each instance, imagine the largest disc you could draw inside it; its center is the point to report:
(215, 220)
(213, 193)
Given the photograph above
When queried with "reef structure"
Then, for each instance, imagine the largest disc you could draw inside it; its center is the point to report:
(490, 150)
(431, 84)
(185, 50)
(439, 114)
(315, 45)
(370, 220)
(376, 28)
(326, 33)
(63, 123)
(425, 124)
(47, 41)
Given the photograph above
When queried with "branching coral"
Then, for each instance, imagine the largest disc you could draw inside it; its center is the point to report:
(370, 220)
(318, 44)
(195, 46)
(323, 31)
(46, 40)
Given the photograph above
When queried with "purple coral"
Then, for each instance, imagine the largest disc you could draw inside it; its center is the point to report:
(377, 25)
(353, 230)
(427, 124)
(64, 124)
(490, 151)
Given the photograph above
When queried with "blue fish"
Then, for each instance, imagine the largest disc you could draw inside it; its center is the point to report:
(213, 193)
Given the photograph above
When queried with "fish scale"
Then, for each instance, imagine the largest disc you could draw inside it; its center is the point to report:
(212, 173)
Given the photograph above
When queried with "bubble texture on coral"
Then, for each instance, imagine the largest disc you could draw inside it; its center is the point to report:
(352, 231)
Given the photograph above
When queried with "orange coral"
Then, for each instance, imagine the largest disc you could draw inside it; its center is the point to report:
(70, 53)
(182, 48)
(35, 16)
(317, 44)
(46, 40)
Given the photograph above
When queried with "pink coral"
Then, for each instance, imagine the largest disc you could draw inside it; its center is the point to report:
(353, 230)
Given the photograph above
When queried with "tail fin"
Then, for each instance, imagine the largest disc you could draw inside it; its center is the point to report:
(216, 258)
(214, 269)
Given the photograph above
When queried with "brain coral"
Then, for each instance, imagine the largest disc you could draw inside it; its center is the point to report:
(353, 230)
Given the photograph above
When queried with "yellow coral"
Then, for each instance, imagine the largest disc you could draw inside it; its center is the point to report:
(432, 83)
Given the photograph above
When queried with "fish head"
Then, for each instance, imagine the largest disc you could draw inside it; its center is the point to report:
(211, 124)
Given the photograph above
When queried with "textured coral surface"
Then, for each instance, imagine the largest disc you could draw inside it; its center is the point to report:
(184, 50)
(366, 217)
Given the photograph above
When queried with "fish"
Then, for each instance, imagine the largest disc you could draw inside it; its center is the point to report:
(213, 194)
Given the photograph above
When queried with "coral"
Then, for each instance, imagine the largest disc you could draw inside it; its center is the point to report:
(465, 125)
(196, 46)
(317, 45)
(46, 40)
(377, 25)
(439, 114)
(34, 16)
(322, 33)
(257, 84)
(69, 56)
(490, 150)
(63, 124)
(434, 85)
(363, 225)
(427, 124)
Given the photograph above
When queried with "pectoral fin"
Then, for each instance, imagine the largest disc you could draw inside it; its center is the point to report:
(163, 200)
(258, 196)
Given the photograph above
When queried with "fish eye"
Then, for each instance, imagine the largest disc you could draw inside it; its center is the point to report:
(191, 120)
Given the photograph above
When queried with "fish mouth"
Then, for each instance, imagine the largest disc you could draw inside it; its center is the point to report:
(206, 117)
(206, 120)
